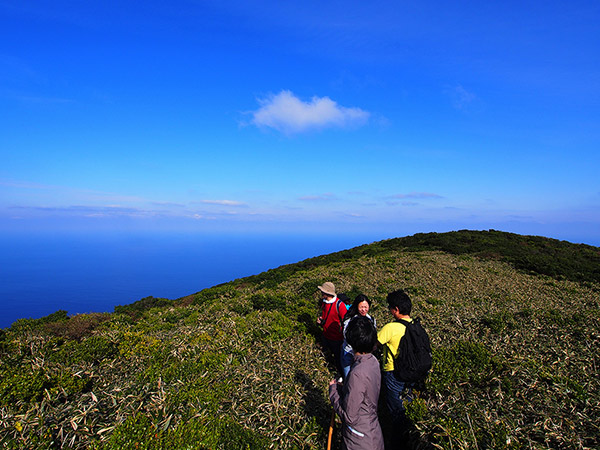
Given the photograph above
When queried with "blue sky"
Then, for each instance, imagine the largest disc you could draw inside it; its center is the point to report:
(376, 117)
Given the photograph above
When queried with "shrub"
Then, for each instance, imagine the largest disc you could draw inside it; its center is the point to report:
(221, 292)
(414, 290)
(94, 349)
(308, 289)
(27, 436)
(453, 432)
(242, 308)
(416, 410)
(187, 370)
(136, 309)
(450, 430)
(464, 362)
(77, 326)
(139, 433)
(270, 325)
(25, 325)
(498, 322)
(267, 302)
(27, 386)
(306, 320)
(137, 344)
(433, 301)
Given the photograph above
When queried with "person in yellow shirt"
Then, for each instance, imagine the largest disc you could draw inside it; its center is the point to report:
(389, 337)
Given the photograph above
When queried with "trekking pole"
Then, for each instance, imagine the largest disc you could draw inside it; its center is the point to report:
(330, 435)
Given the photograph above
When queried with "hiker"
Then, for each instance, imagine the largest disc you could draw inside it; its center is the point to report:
(356, 400)
(360, 308)
(333, 311)
(389, 337)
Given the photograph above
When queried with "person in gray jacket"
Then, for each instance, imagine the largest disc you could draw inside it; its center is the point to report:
(356, 400)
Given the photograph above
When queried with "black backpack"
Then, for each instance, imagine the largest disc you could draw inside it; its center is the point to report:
(414, 353)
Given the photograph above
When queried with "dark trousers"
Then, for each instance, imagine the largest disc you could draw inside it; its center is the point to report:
(396, 392)
(336, 350)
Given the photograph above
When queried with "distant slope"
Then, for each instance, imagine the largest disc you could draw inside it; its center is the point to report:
(558, 259)
(545, 256)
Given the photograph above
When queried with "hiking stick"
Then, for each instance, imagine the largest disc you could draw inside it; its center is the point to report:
(330, 435)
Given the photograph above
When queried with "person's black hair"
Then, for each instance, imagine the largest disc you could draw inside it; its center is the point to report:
(400, 299)
(344, 298)
(353, 311)
(361, 335)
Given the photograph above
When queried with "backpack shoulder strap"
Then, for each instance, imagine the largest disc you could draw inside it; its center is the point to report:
(406, 323)
(337, 305)
(327, 315)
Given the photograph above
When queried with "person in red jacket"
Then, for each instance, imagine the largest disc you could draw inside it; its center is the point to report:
(333, 311)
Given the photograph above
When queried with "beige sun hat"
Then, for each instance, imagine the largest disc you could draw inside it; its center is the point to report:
(328, 288)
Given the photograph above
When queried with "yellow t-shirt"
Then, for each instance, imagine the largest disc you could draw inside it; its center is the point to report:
(389, 336)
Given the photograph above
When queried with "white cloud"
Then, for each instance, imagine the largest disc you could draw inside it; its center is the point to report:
(317, 198)
(461, 98)
(288, 114)
(87, 195)
(168, 204)
(222, 202)
(201, 217)
(89, 210)
(420, 195)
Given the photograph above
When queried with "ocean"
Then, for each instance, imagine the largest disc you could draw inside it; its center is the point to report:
(82, 273)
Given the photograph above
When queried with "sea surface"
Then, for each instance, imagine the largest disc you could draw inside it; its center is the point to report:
(82, 273)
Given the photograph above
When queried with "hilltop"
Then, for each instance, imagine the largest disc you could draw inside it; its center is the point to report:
(514, 322)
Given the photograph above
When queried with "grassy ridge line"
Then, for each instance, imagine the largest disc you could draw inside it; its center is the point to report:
(545, 256)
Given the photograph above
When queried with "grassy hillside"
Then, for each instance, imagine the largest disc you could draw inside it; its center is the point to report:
(514, 322)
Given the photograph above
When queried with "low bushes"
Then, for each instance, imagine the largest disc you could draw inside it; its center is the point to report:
(139, 433)
(463, 362)
(17, 385)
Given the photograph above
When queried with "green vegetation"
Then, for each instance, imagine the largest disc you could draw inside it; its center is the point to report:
(558, 259)
(136, 309)
(514, 322)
